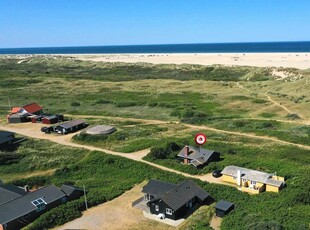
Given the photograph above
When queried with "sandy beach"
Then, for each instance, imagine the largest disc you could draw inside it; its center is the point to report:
(294, 60)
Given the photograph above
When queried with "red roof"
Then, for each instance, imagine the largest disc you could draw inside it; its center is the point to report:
(15, 109)
(32, 108)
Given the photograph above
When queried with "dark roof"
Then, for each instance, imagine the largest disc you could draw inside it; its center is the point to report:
(184, 192)
(10, 192)
(157, 188)
(199, 156)
(22, 206)
(223, 205)
(70, 124)
(6, 134)
(69, 189)
(5, 139)
(32, 108)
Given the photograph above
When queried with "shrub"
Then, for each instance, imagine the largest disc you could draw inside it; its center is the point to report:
(75, 103)
(268, 115)
(58, 216)
(293, 116)
(158, 153)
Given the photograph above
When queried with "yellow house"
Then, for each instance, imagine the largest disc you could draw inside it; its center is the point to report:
(252, 181)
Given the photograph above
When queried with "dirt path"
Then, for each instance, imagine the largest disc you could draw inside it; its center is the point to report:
(215, 222)
(248, 135)
(34, 132)
(275, 103)
(204, 127)
(146, 121)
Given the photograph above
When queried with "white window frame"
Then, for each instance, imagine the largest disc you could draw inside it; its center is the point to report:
(169, 211)
(244, 180)
(39, 204)
(253, 182)
(156, 208)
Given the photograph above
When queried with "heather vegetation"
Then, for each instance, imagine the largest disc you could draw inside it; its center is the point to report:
(178, 101)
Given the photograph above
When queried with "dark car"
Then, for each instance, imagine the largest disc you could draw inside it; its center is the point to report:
(217, 173)
(47, 129)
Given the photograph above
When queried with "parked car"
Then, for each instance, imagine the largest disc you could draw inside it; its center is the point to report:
(47, 129)
(217, 173)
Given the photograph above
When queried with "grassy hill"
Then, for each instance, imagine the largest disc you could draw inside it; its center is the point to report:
(248, 100)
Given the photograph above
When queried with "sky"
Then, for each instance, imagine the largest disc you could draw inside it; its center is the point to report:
(49, 23)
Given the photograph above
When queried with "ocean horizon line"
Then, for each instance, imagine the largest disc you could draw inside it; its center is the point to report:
(232, 47)
(156, 44)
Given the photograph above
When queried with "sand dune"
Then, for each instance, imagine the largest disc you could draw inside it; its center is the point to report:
(295, 60)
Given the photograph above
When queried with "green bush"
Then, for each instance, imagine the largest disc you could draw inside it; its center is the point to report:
(59, 215)
(75, 104)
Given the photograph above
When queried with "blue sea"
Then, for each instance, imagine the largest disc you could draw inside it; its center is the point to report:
(253, 47)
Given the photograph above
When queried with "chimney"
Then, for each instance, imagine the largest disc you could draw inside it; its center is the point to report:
(238, 177)
(186, 154)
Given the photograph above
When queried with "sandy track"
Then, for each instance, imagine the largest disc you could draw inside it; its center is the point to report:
(249, 135)
(33, 131)
(204, 127)
(275, 103)
(116, 214)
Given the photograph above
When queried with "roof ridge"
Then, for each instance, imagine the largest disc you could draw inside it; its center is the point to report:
(177, 186)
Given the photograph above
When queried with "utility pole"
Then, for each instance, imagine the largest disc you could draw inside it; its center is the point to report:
(85, 197)
(10, 108)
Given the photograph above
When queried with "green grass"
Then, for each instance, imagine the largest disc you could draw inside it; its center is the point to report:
(189, 93)
(39, 155)
(122, 174)
(299, 134)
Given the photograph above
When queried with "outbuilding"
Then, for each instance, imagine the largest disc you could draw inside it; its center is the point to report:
(36, 118)
(52, 119)
(6, 139)
(223, 207)
(70, 126)
(18, 118)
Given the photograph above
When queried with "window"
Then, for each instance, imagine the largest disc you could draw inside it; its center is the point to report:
(253, 182)
(243, 180)
(39, 204)
(168, 211)
(156, 208)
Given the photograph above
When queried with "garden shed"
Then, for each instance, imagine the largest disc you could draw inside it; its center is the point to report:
(223, 207)
(70, 126)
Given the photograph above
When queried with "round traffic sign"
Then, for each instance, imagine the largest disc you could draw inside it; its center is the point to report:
(200, 139)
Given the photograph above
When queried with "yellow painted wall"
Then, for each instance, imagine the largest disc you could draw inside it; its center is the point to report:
(278, 178)
(270, 188)
(249, 190)
(229, 179)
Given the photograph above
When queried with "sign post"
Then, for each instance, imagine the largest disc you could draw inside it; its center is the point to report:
(200, 139)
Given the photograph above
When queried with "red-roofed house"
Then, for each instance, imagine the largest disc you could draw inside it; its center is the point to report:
(32, 108)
